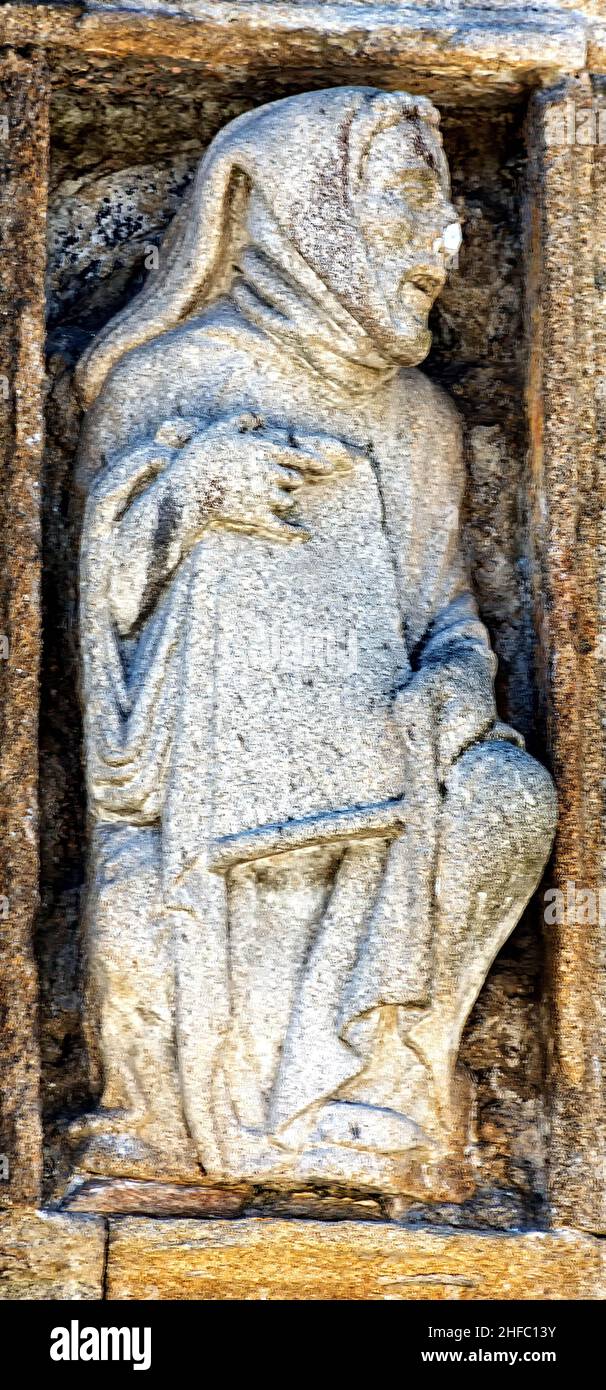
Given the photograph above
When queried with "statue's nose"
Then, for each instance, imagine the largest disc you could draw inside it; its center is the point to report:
(449, 241)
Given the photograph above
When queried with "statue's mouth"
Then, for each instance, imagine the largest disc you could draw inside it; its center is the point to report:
(427, 279)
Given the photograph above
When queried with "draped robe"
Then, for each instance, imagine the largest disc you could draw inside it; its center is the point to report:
(203, 716)
(296, 888)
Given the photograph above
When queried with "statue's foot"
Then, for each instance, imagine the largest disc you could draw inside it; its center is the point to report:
(417, 1174)
(371, 1127)
(376, 1149)
(108, 1147)
(366, 1147)
(83, 1127)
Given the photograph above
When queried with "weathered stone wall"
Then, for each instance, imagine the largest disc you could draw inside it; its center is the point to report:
(566, 494)
(23, 169)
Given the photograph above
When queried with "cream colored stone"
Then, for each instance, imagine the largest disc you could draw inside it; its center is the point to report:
(345, 1260)
(311, 834)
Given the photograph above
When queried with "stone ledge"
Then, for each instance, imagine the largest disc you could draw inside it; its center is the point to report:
(136, 1197)
(273, 1259)
(47, 1256)
(510, 49)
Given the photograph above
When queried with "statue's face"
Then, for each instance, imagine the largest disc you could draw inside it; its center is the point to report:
(410, 228)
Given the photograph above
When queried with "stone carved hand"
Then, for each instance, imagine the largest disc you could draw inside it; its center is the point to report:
(449, 704)
(251, 474)
(234, 474)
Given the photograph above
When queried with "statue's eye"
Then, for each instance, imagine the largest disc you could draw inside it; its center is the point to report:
(418, 187)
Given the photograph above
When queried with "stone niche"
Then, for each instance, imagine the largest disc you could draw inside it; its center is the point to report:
(111, 111)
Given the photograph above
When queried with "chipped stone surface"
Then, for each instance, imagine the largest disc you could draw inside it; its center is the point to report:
(47, 1256)
(269, 1259)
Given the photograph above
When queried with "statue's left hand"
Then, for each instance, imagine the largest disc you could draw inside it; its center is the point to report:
(447, 706)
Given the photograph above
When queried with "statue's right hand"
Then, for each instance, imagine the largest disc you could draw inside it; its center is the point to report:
(251, 474)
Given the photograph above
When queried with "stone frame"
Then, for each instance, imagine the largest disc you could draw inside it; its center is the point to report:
(476, 58)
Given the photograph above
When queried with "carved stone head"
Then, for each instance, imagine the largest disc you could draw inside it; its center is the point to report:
(334, 204)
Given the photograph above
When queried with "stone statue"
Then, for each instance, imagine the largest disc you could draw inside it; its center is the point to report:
(310, 833)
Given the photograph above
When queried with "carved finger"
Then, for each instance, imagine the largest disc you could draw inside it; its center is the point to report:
(174, 433)
(281, 499)
(324, 456)
(288, 479)
(312, 466)
(282, 529)
(245, 423)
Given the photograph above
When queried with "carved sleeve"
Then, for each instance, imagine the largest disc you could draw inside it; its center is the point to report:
(156, 529)
(423, 513)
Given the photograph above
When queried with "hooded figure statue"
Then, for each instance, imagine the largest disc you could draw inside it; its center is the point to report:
(310, 834)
